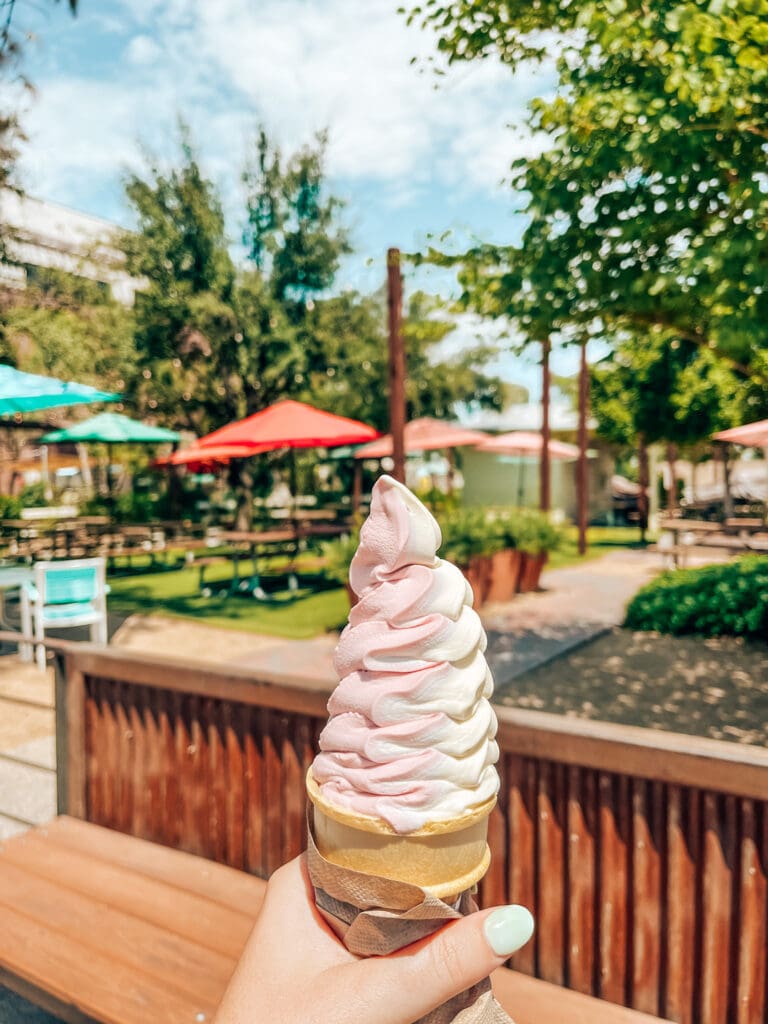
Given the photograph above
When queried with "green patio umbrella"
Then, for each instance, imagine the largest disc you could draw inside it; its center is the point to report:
(25, 392)
(111, 428)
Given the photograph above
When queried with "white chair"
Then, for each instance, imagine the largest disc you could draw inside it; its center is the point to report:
(64, 594)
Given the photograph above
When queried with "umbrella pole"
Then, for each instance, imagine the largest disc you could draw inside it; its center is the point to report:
(292, 478)
(520, 467)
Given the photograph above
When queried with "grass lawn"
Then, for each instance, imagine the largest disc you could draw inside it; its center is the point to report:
(600, 540)
(304, 613)
(314, 609)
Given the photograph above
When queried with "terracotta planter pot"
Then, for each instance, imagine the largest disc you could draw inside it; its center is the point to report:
(478, 572)
(530, 573)
(505, 574)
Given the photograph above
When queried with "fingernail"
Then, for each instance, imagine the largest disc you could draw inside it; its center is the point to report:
(508, 928)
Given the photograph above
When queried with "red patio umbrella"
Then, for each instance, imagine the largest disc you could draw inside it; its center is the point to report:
(751, 435)
(423, 435)
(288, 424)
(524, 442)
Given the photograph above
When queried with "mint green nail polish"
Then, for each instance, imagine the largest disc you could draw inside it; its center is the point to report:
(508, 928)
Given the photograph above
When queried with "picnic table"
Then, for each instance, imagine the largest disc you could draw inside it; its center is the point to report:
(737, 535)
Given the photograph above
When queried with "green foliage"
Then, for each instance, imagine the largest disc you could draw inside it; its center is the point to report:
(662, 391)
(717, 600)
(293, 236)
(647, 215)
(10, 506)
(469, 531)
(338, 554)
(90, 344)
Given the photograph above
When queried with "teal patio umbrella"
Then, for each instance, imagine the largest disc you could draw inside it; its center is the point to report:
(25, 392)
(111, 428)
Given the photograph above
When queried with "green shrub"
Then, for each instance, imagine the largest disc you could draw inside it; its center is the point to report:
(338, 554)
(467, 532)
(716, 600)
(10, 507)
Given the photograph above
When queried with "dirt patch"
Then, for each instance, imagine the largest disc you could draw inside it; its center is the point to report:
(716, 688)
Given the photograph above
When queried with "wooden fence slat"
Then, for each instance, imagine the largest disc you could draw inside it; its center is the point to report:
(520, 774)
(255, 843)
(234, 748)
(646, 895)
(751, 1007)
(294, 788)
(273, 731)
(683, 854)
(613, 880)
(134, 712)
(551, 900)
(171, 801)
(216, 778)
(581, 852)
(717, 894)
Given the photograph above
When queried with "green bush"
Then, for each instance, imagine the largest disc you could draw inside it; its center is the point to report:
(716, 600)
(10, 507)
(338, 554)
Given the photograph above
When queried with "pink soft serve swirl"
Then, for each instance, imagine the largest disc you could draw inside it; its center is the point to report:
(410, 737)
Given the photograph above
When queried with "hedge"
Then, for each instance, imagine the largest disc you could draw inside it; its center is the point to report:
(716, 600)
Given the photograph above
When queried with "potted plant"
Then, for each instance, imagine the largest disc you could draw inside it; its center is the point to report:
(469, 542)
(506, 558)
(536, 537)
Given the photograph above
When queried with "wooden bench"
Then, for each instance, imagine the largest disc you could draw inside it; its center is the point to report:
(97, 926)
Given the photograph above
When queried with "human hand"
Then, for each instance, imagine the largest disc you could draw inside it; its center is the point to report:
(295, 971)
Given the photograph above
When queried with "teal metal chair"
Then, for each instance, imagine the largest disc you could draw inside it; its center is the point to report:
(64, 594)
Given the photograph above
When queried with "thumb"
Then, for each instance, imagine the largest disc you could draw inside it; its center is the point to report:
(409, 984)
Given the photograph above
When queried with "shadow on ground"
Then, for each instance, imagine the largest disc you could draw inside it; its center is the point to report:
(716, 688)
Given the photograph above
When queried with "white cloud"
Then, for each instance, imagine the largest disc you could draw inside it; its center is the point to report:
(298, 66)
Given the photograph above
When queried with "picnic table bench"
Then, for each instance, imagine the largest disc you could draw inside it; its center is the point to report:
(98, 926)
(739, 536)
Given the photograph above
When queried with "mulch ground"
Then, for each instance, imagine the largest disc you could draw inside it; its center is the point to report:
(716, 688)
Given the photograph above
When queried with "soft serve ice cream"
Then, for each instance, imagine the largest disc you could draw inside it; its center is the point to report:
(410, 739)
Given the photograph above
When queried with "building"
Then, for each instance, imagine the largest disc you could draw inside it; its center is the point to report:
(44, 235)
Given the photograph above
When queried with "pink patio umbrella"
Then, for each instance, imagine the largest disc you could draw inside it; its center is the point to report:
(522, 443)
(751, 435)
(424, 435)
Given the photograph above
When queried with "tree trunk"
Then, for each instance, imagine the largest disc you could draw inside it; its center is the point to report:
(581, 468)
(672, 503)
(642, 473)
(727, 496)
(545, 497)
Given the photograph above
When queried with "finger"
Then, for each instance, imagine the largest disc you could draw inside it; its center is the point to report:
(411, 983)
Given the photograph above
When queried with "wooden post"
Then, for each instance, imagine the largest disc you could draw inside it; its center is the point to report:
(396, 363)
(672, 503)
(545, 499)
(727, 496)
(581, 468)
(643, 480)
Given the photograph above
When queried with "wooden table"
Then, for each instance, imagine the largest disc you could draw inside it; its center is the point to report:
(98, 926)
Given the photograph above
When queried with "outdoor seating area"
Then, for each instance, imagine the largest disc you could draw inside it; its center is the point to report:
(383, 512)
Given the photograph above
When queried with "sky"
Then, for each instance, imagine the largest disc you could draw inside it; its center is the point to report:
(414, 155)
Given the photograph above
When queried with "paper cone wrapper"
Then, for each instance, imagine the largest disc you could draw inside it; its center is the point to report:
(445, 858)
(376, 916)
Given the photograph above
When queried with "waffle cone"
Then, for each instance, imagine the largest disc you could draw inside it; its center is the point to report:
(444, 857)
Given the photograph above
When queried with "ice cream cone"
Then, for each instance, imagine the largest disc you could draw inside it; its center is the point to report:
(444, 857)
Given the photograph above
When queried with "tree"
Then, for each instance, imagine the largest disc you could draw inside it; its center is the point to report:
(648, 206)
(186, 323)
(293, 234)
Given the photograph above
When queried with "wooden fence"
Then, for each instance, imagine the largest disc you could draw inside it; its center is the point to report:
(643, 855)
